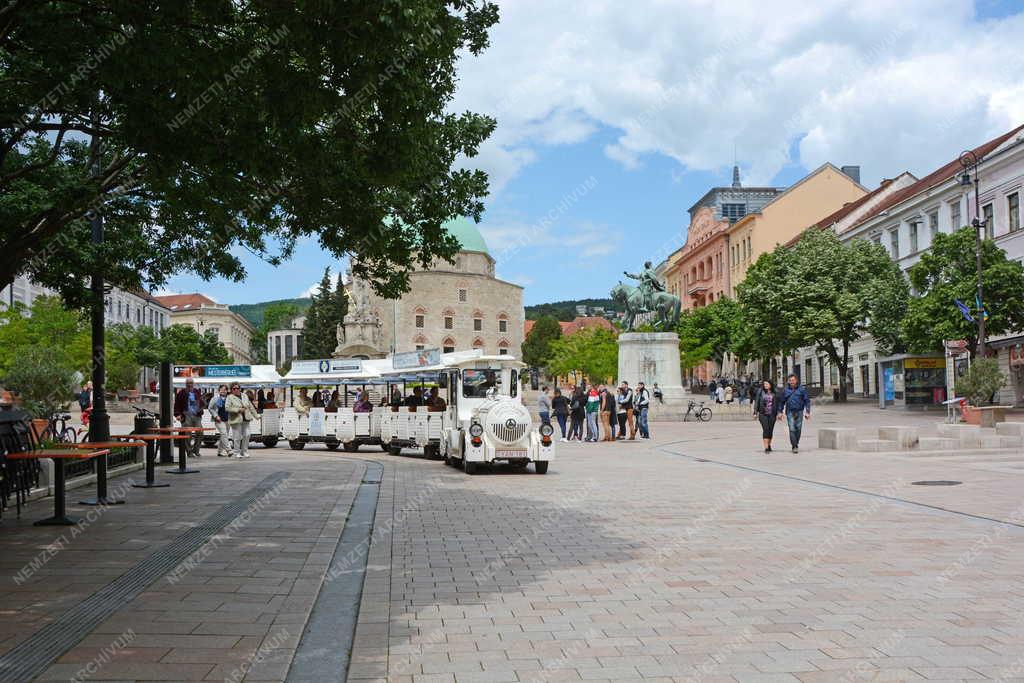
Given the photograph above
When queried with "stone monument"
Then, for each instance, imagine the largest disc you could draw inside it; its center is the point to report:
(359, 334)
(650, 357)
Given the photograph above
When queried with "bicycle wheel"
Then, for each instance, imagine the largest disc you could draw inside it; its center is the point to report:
(704, 415)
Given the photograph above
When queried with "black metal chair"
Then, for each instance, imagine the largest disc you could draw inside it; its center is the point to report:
(17, 477)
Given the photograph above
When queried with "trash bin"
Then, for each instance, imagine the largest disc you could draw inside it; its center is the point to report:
(835, 395)
(143, 423)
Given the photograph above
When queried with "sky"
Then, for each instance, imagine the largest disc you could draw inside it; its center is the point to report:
(615, 117)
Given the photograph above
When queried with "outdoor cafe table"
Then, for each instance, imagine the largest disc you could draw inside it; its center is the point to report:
(58, 455)
(101, 469)
(151, 441)
(182, 467)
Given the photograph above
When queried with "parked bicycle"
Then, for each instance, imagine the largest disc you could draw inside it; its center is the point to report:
(698, 411)
(60, 430)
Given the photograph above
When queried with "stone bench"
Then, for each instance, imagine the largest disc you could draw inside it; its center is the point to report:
(838, 438)
(905, 437)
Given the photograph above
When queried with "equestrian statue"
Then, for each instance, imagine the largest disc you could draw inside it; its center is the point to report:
(649, 297)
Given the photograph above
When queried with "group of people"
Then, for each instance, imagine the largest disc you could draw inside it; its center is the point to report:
(231, 409)
(362, 402)
(741, 391)
(770, 405)
(598, 412)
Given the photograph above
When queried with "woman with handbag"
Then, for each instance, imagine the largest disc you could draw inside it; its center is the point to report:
(241, 412)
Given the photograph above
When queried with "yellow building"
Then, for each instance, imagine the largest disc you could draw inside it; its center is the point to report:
(820, 193)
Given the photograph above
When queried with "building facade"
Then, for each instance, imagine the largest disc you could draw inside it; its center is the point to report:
(285, 345)
(206, 315)
(452, 306)
(818, 194)
(137, 308)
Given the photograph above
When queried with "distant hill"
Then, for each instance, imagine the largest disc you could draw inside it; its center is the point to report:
(566, 310)
(254, 312)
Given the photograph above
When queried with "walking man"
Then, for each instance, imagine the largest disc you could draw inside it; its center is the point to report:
(544, 406)
(188, 409)
(796, 405)
(643, 402)
(219, 413)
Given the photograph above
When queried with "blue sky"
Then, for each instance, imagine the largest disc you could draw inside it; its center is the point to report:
(647, 107)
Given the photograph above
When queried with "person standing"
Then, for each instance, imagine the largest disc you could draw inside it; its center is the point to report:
(544, 406)
(712, 390)
(188, 410)
(593, 409)
(219, 413)
(577, 413)
(608, 413)
(643, 404)
(796, 406)
(626, 412)
(241, 412)
(560, 407)
(767, 410)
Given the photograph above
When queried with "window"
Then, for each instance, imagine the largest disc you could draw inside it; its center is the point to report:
(277, 352)
(502, 326)
(894, 242)
(462, 295)
(476, 383)
(913, 236)
(733, 212)
(933, 224)
(288, 351)
(449, 322)
(987, 212)
(1013, 207)
(448, 349)
(478, 324)
(419, 321)
(502, 352)
(954, 216)
(420, 347)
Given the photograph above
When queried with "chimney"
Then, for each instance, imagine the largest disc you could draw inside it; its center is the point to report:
(853, 172)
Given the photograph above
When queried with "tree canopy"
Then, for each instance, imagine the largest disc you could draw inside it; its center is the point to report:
(328, 310)
(947, 272)
(537, 345)
(200, 127)
(593, 351)
(709, 332)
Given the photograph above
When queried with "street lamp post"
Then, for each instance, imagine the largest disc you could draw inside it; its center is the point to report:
(969, 160)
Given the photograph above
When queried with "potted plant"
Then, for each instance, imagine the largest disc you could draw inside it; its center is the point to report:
(43, 382)
(977, 385)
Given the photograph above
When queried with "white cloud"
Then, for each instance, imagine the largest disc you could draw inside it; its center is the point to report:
(888, 85)
(315, 287)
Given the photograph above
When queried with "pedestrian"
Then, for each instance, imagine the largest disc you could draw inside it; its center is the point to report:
(643, 404)
(578, 414)
(241, 412)
(728, 394)
(796, 405)
(85, 397)
(188, 410)
(593, 409)
(720, 392)
(560, 407)
(608, 413)
(624, 411)
(219, 413)
(767, 411)
(544, 406)
(712, 390)
(752, 391)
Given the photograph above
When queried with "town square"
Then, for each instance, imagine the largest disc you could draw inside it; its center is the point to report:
(451, 341)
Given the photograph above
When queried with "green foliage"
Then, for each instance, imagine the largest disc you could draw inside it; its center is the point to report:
(43, 379)
(199, 127)
(320, 334)
(566, 310)
(537, 345)
(948, 271)
(709, 332)
(255, 313)
(981, 381)
(593, 351)
(183, 344)
(276, 315)
(763, 302)
(46, 324)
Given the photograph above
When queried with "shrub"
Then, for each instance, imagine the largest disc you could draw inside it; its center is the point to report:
(981, 381)
(44, 381)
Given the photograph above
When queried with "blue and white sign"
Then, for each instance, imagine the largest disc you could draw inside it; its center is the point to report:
(345, 366)
(213, 371)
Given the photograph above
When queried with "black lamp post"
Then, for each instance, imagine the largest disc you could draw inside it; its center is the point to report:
(969, 160)
(99, 423)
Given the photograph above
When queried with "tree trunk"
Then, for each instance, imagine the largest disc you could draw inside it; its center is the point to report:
(843, 367)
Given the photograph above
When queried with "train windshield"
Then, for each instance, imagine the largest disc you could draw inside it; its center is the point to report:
(477, 382)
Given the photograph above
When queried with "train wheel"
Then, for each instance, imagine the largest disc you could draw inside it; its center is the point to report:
(296, 445)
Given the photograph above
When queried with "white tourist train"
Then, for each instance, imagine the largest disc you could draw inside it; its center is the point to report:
(266, 428)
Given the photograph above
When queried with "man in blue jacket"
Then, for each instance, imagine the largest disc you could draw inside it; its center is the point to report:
(796, 405)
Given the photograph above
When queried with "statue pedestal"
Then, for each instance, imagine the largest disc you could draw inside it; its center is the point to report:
(651, 357)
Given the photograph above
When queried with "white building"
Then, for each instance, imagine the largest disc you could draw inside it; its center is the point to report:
(206, 315)
(905, 223)
(136, 307)
(285, 344)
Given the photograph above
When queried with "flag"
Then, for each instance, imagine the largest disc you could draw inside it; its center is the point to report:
(964, 310)
(981, 309)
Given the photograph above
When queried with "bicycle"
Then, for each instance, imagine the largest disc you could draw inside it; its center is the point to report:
(701, 413)
(59, 430)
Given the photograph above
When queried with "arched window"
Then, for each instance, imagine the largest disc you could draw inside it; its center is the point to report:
(502, 322)
(448, 345)
(420, 317)
(503, 347)
(478, 320)
(419, 342)
(449, 319)
(478, 343)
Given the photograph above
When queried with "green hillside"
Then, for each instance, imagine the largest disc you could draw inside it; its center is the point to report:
(566, 310)
(254, 312)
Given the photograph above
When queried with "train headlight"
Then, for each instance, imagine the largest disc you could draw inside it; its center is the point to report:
(476, 430)
(546, 430)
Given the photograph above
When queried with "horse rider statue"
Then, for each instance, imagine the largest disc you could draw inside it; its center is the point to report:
(648, 285)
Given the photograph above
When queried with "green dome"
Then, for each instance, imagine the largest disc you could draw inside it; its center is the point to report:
(468, 235)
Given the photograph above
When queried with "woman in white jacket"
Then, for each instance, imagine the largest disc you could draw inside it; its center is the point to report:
(241, 412)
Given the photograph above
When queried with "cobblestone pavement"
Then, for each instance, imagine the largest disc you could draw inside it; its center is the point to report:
(691, 557)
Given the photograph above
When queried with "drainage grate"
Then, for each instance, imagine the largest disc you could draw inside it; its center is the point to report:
(940, 482)
(30, 658)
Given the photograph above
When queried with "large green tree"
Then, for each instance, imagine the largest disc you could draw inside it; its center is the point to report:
(593, 351)
(947, 272)
(200, 126)
(183, 344)
(765, 330)
(330, 304)
(276, 316)
(835, 293)
(537, 345)
(46, 323)
(709, 332)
